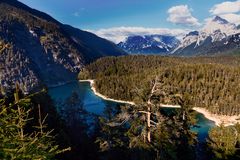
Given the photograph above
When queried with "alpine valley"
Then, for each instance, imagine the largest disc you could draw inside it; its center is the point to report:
(169, 91)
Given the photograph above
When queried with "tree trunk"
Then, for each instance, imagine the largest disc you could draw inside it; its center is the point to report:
(149, 124)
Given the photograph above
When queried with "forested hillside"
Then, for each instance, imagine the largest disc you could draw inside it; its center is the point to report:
(36, 49)
(209, 82)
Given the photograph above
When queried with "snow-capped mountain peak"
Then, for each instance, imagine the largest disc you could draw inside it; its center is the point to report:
(190, 38)
(216, 33)
(218, 23)
(149, 44)
(220, 20)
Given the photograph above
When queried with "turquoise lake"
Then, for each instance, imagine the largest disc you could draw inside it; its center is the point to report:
(96, 105)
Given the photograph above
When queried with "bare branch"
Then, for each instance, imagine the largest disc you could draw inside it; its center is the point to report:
(143, 112)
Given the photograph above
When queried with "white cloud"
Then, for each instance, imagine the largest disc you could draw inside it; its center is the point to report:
(228, 10)
(226, 7)
(119, 34)
(182, 15)
(232, 18)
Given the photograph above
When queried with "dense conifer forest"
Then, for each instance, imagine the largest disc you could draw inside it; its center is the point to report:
(209, 82)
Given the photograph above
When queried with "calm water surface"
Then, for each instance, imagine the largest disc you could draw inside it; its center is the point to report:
(97, 105)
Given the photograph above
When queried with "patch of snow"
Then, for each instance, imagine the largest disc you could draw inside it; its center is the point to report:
(33, 33)
(188, 40)
(201, 38)
(146, 46)
(74, 39)
(157, 39)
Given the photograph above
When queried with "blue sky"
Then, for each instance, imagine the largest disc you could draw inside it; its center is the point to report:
(95, 15)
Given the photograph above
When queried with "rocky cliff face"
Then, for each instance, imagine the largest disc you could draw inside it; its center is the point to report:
(36, 49)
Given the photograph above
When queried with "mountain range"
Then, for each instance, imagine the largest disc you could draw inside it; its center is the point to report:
(36, 49)
(149, 44)
(218, 36)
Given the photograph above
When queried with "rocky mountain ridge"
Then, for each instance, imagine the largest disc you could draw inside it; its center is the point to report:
(216, 37)
(149, 44)
(36, 49)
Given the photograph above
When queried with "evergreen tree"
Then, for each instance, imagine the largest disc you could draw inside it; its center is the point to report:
(15, 141)
(223, 142)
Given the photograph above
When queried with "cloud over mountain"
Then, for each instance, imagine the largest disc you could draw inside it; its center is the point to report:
(233, 18)
(226, 7)
(182, 15)
(119, 34)
(227, 10)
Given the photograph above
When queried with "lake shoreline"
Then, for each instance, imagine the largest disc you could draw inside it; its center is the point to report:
(103, 96)
(217, 119)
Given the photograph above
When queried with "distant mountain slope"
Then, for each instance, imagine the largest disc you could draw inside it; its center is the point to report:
(218, 36)
(37, 49)
(149, 44)
(99, 47)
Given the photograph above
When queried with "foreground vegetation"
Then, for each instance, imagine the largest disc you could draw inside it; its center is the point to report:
(147, 132)
(21, 136)
(142, 132)
(212, 83)
(224, 142)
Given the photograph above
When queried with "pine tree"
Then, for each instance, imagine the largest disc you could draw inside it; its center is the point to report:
(223, 141)
(16, 143)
